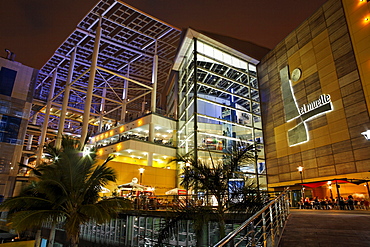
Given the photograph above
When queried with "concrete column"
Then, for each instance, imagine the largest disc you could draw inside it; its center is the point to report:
(154, 80)
(67, 90)
(90, 87)
(23, 170)
(149, 158)
(46, 119)
(143, 106)
(124, 95)
(151, 132)
(174, 138)
(102, 107)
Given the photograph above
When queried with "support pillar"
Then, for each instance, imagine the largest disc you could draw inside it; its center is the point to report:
(174, 138)
(154, 80)
(67, 90)
(23, 170)
(151, 132)
(46, 119)
(102, 107)
(30, 138)
(124, 96)
(90, 87)
(149, 158)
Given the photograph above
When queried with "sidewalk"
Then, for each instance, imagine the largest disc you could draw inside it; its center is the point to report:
(329, 228)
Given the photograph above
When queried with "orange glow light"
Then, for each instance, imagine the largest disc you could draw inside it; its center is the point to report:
(106, 135)
(111, 133)
(119, 147)
(100, 152)
(140, 122)
(122, 128)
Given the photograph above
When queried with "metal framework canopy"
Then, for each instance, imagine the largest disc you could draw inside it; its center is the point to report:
(129, 41)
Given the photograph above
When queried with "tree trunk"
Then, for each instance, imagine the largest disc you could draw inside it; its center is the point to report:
(38, 238)
(52, 235)
(75, 240)
(221, 218)
(202, 236)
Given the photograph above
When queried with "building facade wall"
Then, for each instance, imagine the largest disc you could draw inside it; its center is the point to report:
(322, 48)
(17, 84)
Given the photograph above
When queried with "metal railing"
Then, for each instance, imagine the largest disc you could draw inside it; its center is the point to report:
(262, 229)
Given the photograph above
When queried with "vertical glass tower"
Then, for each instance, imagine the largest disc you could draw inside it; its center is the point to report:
(219, 102)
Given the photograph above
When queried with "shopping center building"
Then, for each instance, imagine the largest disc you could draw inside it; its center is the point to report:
(146, 91)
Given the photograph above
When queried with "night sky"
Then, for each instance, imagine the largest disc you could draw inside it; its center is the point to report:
(34, 29)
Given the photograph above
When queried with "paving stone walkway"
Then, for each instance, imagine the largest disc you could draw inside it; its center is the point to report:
(327, 228)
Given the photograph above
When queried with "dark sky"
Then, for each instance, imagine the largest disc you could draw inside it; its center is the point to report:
(34, 29)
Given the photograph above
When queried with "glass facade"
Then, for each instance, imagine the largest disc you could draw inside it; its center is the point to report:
(219, 104)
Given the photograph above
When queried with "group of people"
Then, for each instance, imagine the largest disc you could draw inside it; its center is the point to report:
(341, 203)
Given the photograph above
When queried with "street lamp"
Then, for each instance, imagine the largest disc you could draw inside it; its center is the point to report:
(300, 169)
(141, 170)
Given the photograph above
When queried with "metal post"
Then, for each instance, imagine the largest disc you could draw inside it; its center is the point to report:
(338, 194)
(30, 138)
(90, 87)
(124, 95)
(195, 98)
(102, 107)
(154, 79)
(300, 169)
(272, 229)
(257, 176)
(253, 234)
(264, 229)
(367, 187)
(277, 219)
(46, 119)
(65, 99)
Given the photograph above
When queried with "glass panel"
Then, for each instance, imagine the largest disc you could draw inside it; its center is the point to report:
(261, 167)
(257, 122)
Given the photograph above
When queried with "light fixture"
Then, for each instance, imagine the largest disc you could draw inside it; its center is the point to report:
(366, 134)
(300, 168)
(85, 152)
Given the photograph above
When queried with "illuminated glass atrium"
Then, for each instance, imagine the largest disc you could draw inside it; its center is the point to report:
(219, 102)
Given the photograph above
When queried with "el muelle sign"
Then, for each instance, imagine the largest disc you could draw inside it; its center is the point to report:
(321, 105)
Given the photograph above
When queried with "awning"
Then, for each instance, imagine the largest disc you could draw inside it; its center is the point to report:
(321, 183)
(132, 186)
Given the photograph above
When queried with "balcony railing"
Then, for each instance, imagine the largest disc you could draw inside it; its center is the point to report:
(262, 229)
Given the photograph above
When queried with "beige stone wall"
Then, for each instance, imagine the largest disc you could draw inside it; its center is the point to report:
(322, 48)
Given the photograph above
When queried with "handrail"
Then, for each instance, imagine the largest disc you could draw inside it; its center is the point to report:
(281, 206)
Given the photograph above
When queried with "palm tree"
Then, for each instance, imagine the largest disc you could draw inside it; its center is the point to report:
(66, 191)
